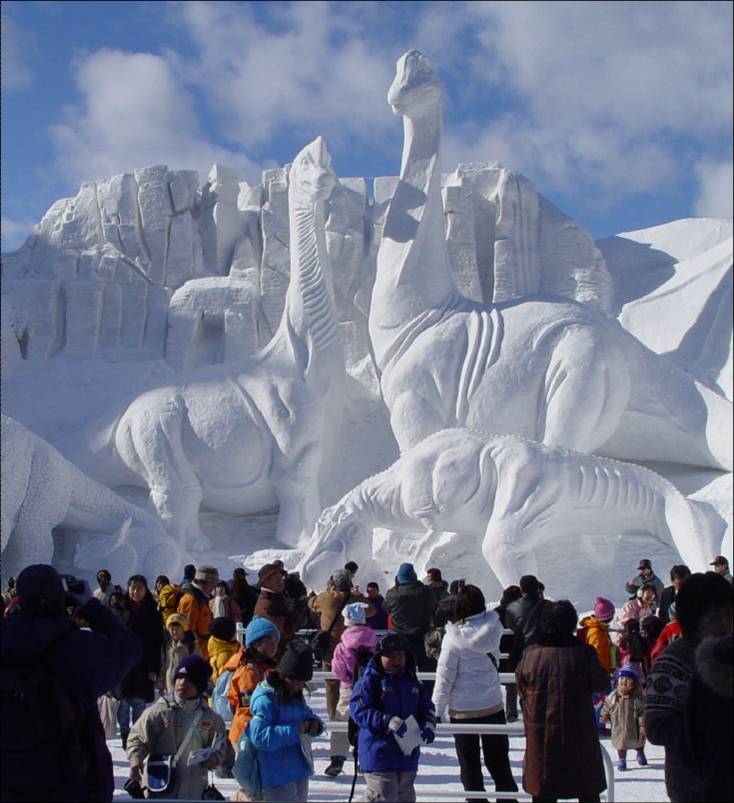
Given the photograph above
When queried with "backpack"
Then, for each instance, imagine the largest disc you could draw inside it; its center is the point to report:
(168, 599)
(220, 701)
(41, 729)
(363, 658)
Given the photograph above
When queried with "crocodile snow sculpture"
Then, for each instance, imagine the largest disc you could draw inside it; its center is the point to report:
(241, 439)
(42, 490)
(544, 368)
(510, 494)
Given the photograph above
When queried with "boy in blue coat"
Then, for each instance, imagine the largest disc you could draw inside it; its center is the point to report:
(386, 694)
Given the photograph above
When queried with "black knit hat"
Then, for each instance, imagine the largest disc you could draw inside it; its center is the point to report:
(297, 661)
(195, 669)
(222, 628)
(40, 591)
(392, 642)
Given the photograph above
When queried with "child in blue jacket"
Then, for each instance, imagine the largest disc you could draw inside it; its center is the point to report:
(386, 694)
(280, 718)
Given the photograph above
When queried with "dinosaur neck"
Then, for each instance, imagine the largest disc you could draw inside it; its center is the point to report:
(413, 273)
(309, 321)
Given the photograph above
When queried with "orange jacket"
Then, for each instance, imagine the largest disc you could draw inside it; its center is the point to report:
(597, 636)
(196, 606)
(243, 683)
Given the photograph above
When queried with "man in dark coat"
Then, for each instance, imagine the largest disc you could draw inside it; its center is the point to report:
(703, 609)
(646, 577)
(87, 663)
(708, 718)
(556, 678)
(410, 605)
(678, 575)
(524, 615)
(273, 605)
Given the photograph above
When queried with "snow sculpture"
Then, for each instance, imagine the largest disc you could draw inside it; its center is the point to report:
(240, 441)
(542, 368)
(509, 494)
(42, 490)
(212, 320)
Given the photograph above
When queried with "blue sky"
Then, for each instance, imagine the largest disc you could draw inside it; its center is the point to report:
(620, 113)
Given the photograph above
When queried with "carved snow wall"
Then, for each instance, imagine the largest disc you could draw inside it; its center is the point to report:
(149, 264)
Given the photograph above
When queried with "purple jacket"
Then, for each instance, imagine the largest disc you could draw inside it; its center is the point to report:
(344, 660)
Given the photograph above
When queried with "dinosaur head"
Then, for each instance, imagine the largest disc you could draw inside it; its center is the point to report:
(338, 536)
(311, 178)
(416, 87)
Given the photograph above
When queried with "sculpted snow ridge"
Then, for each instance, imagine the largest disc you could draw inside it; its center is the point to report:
(42, 490)
(510, 494)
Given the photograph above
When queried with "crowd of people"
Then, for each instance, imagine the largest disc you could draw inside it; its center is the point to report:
(207, 673)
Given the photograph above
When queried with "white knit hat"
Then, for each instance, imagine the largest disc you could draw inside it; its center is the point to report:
(354, 613)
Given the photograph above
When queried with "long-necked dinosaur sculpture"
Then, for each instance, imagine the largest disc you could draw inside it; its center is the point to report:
(548, 369)
(242, 439)
(509, 495)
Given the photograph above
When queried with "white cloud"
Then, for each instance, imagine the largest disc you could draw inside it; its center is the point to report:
(15, 47)
(134, 112)
(315, 69)
(603, 91)
(13, 233)
(715, 189)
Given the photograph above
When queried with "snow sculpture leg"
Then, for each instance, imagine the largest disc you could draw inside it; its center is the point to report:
(585, 373)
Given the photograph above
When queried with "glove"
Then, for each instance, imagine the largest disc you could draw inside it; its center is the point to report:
(397, 726)
(80, 598)
(428, 733)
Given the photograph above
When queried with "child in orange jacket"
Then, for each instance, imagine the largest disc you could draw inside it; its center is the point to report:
(249, 665)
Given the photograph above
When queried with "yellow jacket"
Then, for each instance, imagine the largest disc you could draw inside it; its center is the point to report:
(219, 653)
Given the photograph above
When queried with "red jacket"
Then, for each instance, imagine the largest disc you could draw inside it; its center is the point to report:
(668, 634)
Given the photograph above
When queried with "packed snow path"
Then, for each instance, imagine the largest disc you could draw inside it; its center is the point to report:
(438, 770)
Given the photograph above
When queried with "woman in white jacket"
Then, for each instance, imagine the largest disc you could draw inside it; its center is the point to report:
(468, 690)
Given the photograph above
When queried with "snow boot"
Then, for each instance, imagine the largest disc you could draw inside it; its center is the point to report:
(622, 764)
(641, 758)
(336, 767)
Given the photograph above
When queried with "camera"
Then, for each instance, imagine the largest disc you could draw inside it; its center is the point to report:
(134, 789)
(72, 584)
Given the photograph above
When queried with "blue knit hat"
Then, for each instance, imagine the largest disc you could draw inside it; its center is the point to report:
(406, 574)
(260, 627)
(195, 669)
(628, 672)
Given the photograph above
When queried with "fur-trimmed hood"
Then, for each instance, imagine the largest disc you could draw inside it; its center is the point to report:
(714, 664)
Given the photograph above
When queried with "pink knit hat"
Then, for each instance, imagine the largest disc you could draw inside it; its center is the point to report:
(603, 609)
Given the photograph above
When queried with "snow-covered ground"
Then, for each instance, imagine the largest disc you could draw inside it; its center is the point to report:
(438, 771)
